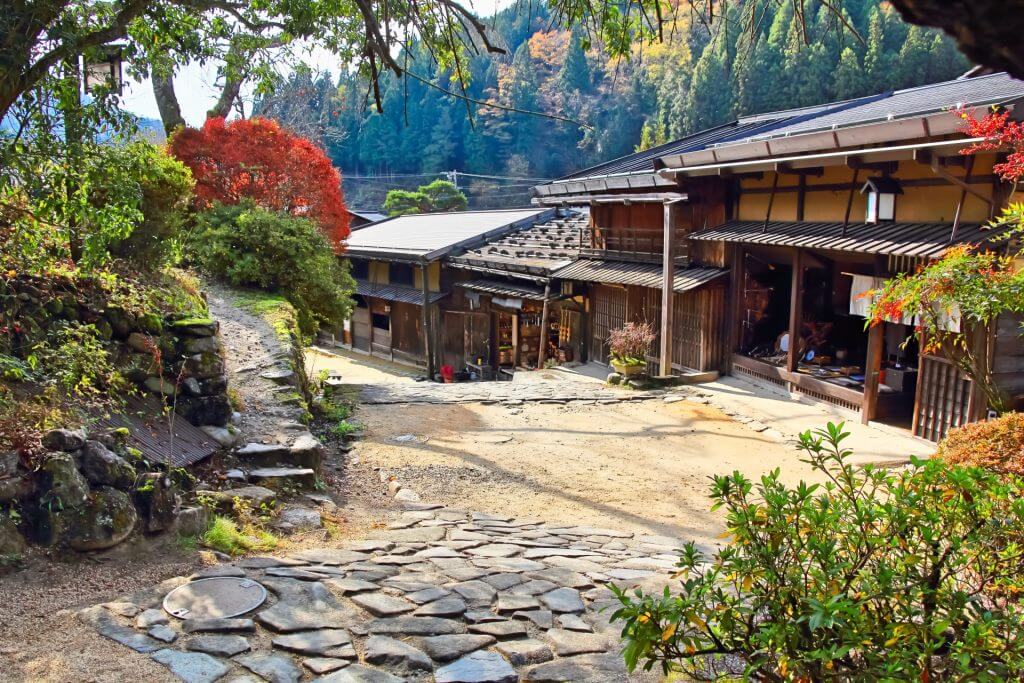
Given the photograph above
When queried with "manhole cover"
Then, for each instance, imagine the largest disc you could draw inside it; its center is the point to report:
(219, 597)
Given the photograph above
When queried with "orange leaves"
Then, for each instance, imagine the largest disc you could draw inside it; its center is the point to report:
(259, 160)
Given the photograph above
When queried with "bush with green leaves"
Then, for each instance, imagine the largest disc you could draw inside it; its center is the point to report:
(253, 247)
(876, 574)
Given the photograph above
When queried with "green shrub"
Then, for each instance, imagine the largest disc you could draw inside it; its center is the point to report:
(250, 246)
(997, 444)
(164, 188)
(874, 575)
(225, 536)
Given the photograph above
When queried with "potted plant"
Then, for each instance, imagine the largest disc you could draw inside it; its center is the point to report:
(629, 345)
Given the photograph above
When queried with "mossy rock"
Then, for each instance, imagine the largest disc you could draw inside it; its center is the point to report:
(63, 484)
(205, 365)
(108, 518)
(157, 501)
(151, 323)
(12, 545)
(196, 327)
(104, 329)
(121, 322)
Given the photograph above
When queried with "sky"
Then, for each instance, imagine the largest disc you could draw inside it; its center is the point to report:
(195, 84)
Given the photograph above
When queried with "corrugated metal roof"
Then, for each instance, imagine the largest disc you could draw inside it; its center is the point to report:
(636, 274)
(431, 235)
(400, 293)
(925, 99)
(644, 161)
(538, 248)
(898, 239)
(150, 432)
(499, 288)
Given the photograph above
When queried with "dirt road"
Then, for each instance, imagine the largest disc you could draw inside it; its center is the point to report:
(642, 466)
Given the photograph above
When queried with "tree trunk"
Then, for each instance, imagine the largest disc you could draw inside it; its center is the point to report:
(987, 31)
(167, 102)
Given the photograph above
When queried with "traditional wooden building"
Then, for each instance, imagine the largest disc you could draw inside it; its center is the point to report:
(821, 210)
(400, 280)
(507, 310)
(803, 209)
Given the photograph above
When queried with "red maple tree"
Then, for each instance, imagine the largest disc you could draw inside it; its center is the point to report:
(1001, 134)
(259, 160)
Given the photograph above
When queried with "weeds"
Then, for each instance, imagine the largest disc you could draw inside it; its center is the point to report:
(225, 536)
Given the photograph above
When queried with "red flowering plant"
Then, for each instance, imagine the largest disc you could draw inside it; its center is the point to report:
(257, 159)
(955, 302)
(630, 343)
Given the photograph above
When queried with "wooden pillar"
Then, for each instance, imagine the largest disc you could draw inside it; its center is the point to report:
(515, 340)
(542, 352)
(668, 271)
(872, 373)
(428, 351)
(736, 299)
(796, 298)
(801, 196)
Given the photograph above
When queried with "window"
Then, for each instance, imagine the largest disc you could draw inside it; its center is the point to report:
(360, 269)
(382, 321)
(402, 274)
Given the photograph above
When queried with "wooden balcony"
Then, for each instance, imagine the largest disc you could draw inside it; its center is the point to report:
(630, 244)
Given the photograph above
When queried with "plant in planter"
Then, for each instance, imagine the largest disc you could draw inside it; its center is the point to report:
(629, 346)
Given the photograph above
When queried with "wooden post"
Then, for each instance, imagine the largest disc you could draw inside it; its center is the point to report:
(542, 352)
(737, 297)
(849, 200)
(515, 340)
(428, 354)
(801, 196)
(872, 373)
(796, 298)
(668, 272)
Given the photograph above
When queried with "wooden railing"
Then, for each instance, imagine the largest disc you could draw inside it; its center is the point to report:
(629, 244)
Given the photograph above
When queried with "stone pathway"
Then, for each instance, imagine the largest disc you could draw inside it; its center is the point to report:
(561, 391)
(441, 595)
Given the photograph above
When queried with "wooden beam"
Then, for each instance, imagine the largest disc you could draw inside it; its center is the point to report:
(969, 167)
(801, 197)
(668, 271)
(849, 200)
(542, 352)
(736, 295)
(927, 158)
(771, 201)
(428, 351)
(872, 373)
(985, 179)
(884, 167)
(796, 298)
(788, 169)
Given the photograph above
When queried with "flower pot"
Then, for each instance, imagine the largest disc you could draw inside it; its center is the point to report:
(628, 369)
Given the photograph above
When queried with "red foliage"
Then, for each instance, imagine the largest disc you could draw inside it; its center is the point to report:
(1001, 134)
(259, 160)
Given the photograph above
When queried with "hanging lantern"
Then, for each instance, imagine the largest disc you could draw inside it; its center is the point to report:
(881, 194)
(103, 69)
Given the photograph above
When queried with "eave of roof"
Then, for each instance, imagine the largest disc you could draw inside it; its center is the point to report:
(928, 240)
(498, 288)
(637, 274)
(400, 293)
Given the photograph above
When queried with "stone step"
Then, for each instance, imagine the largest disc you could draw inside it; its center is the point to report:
(284, 477)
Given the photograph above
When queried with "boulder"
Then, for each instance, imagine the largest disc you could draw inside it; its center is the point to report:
(192, 521)
(62, 482)
(64, 439)
(192, 386)
(151, 323)
(16, 487)
(157, 501)
(142, 343)
(12, 545)
(306, 451)
(196, 345)
(195, 327)
(204, 365)
(226, 437)
(214, 385)
(205, 410)
(120, 321)
(102, 467)
(104, 521)
(159, 385)
(138, 367)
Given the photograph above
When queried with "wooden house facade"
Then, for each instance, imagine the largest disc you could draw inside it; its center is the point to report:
(402, 284)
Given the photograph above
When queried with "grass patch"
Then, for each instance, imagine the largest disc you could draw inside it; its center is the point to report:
(225, 535)
(345, 429)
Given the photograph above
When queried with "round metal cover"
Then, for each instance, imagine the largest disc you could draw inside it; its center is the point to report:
(220, 597)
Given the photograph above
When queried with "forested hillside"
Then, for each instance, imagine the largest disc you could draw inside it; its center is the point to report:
(699, 76)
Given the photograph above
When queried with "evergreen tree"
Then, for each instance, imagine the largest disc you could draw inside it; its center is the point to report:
(575, 73)
(710, 99)
(914, 57)
(849, 76)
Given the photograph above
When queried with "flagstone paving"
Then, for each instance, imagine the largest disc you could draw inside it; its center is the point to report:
(441, 595)
(504, 392)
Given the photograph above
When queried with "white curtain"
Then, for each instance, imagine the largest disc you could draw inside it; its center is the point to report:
(859, 303)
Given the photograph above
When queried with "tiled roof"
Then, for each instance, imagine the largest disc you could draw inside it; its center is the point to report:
(636, 274)
(431, 235)
(926, 99)
(538, 248)
(499, 288)
(898, 239)
(400, 293)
